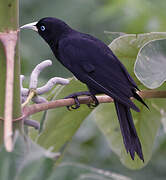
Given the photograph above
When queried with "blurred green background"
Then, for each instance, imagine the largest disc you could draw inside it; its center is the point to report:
(94, 17)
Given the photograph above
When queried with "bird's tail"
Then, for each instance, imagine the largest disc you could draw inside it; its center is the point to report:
(130, 137)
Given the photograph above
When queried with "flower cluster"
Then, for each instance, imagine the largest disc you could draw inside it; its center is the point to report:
(34, 81)
(34, 93)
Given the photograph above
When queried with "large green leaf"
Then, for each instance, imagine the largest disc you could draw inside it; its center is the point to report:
(126, 48)
(150, 65)
(146, 122)
(62, 124)
(28, 161)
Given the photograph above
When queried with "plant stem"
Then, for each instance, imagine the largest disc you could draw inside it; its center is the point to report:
(9, 15)
(30, 96)
(9, 41)
(9, 70)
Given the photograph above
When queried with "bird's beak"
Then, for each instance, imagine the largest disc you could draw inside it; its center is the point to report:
(30, 26)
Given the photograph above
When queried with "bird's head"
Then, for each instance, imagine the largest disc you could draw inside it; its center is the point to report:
(49, 28)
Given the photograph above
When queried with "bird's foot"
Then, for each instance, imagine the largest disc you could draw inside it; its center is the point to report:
(95, 102)
(77, 103)
(75, 97)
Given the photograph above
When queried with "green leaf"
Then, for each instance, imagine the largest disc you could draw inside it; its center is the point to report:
(28, 161)
(126, 48)
(62, 124)
(150, 65)
(146, 123)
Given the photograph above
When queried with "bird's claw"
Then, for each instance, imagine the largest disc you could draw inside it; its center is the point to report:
(95, 102)
(76, 105)
(92, 105)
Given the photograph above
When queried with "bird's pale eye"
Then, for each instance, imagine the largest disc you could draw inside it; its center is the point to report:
(42, 28)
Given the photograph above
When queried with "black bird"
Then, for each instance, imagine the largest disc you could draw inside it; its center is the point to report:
(93, 63)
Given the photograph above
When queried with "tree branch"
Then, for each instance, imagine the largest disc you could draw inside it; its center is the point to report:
(35, 108)
(32, 109)
(148, 94)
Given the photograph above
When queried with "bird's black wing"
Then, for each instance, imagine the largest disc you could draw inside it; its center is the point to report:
(93, 63)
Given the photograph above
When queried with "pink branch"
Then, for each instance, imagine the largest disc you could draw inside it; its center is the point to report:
(29, 110)
(32, 109)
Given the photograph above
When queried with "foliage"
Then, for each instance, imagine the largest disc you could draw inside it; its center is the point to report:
(29, 161)
(150, 64)
(32, 161)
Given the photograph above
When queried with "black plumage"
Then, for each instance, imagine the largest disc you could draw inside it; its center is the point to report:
(94, 64)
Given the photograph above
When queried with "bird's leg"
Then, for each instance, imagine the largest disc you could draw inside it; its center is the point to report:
(77, 104)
